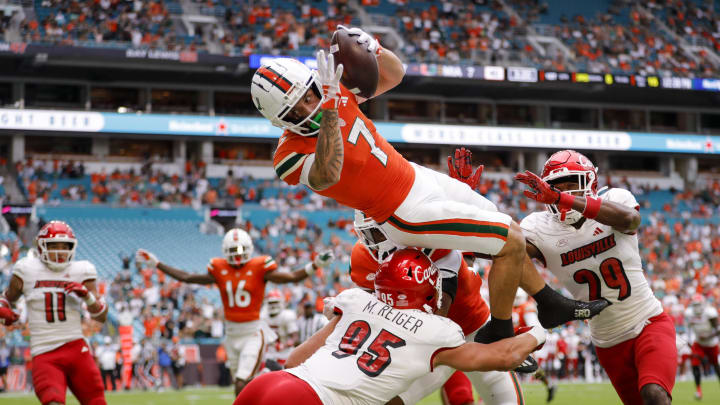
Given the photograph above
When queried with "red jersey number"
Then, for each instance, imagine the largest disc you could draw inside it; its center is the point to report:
(377, 357)
(613, 273)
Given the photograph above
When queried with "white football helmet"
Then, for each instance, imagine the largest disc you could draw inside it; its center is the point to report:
(373, 237)
(237, 247)
(278, 85)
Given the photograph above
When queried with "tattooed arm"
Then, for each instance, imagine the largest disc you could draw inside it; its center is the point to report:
(329, 153)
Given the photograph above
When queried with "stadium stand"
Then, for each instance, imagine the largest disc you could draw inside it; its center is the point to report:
(608, 36)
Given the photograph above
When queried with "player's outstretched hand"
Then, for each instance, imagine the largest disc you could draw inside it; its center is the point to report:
(76, 288)
(363, 38)
(460, 168)
(8, 316)
(323, 259)
(329, 76)
(146, 257)
(540, 190)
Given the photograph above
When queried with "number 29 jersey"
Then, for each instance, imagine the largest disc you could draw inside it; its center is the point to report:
(54, 316)
(375, 351)
(374, 179)
(597, 261)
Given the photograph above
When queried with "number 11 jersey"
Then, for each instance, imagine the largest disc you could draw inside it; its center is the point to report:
(375, 351)
(55, 317)
(597, 261)
(375, 178)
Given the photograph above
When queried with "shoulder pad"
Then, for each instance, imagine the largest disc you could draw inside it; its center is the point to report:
(86, 269)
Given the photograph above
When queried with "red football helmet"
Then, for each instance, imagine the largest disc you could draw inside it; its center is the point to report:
(409, 280)
(275, 302)
(568, 165)
(56, 231)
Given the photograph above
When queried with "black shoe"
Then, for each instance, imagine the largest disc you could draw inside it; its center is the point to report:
(528, 366)
(551, 392)
(575, 311)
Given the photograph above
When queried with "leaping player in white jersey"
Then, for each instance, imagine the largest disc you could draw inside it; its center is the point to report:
(702, 320)
(376, 345)
(587, 240)
(55, 287)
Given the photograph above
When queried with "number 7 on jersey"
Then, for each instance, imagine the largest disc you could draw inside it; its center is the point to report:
(358, 129)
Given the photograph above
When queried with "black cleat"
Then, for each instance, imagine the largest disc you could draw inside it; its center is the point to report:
(571, 310)
(551, 392)
(528, 366)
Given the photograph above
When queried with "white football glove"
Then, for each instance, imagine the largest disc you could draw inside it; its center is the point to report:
(146, 257)
(323, 259)
(373, 45)
(329, 76)
(329, 307)
(539, 333)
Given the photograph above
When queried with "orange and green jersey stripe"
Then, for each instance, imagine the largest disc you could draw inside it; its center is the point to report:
(453, 226)
(518, 389)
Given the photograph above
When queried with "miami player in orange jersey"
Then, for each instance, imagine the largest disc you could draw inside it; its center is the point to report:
(330, 146)
(241, 280)
(461, 302)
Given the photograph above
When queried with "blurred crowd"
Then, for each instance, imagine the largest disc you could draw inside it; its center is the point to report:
(649, 38)
(56, 181)
(102, 22)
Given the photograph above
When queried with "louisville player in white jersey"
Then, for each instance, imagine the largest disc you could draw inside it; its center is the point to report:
(702, 320)
(284, 323)
(241, 279)
(587, 240)
(55, 288)
(462, 303)
(376, 345)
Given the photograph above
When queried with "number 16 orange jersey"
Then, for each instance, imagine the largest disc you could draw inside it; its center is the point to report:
(242, 288)
(375, 178)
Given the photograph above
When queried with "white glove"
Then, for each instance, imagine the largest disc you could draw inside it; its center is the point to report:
(539, 333)
(324, 258)
(329, 76)
(148, 258)
(373, 45)
(329, 307)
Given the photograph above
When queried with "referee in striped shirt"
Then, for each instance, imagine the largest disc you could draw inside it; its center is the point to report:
(310, 322)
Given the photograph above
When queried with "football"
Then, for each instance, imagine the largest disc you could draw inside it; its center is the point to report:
(360, 69)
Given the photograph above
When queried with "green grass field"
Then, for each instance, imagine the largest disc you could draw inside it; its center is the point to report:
(568, 394)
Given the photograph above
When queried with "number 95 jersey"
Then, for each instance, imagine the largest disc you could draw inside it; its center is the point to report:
(596, 261)
(375, 351)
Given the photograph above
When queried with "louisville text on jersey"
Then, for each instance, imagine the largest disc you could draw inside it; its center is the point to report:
(590, 250)
(408, 322)
(51, 284)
